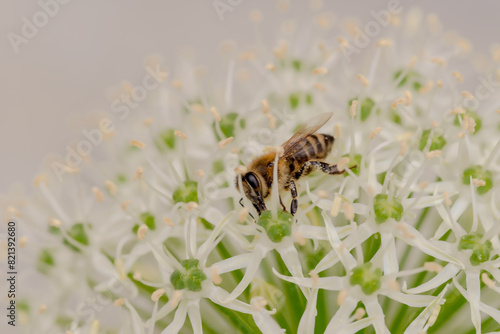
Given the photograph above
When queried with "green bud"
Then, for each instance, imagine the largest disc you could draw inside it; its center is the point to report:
(477, 172)
(148, 219)
(294, 99)
(121, 178)
(228, 125)
(297, 64)
(480, 251)
(191, 279)
(167, 139)
(437, 141)
(279, 228)
(45, 261)
(188, 192)
(385, 209)
(410, 77)
(366, 277)
(77, 232)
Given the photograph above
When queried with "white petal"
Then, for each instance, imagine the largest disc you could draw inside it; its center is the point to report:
(308, 319)
(388, 243)
(332, 283)
(419, 241)
(252, 267)
(233, 263)
(341, 317)
(492, 312)
(356, 326)
(209, 244)
(179, 319)
(347, 259)
(266, 323)
(193, 312)
(417, 325)
(449, 271)
(374, 310)
(136, 319)
(410, 300)
(474, 292)
(217, 294)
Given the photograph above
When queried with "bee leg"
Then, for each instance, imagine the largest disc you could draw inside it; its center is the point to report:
(293, 190)
(282, 205)
(320, 166)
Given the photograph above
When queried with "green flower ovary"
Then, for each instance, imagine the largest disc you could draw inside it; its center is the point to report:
(477, 172)
(366, 277)
(437, 141)
(188, 192)
(480, 250)
(279, 228)
(386, 209)
(191, 279)
(228, 125)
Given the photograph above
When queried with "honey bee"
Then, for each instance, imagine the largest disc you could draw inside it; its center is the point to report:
(301, 155)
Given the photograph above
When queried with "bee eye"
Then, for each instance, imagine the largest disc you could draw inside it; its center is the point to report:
(252, 180)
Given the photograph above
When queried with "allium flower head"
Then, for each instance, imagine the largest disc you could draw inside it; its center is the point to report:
(149, 236)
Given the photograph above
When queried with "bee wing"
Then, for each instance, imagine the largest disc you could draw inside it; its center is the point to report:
(291, 144)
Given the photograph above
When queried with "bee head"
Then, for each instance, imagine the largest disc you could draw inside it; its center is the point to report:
(252, 189)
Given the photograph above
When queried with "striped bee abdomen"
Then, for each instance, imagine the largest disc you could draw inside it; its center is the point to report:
(314, 147)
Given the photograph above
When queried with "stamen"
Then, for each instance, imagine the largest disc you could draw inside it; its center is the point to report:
(42, 309)
(315, 277)
(433, 267)
(408, 98)
(319, 71)
(319, 87)
(138, 173)
(256, 16)
(124, 205)
(242, 215)
(168, 221)
(360, 313)
(241, 169)
(120, 268)
(299, 238)
(176, 83)
(272, 121)
(39, 179)
(342, 163)
(433, 154)
(157, 295)
(259, 303)
(148, 121)
(137, 276)
(141, 232)
(467, 95)
(14, 211)
(216, 279)
(457, 111)
(55, 222)
(137, 143)
(375, 132)
(478, 183)
(341, 297)
(384, 42)
(461, 135)
(180, 134)
(271, 67)
(176, 298)
(438, 60)
(447, 199)
(191, 206)
(487, 281)
(111, 187)
(343, 42)
(352, 109)
(336, 205)
(215, 113)
(427, 88)
(224, 142)
(119, 302)
(200, 172)
(396, 102)
(265, 106)
(412, 62)
(97, 194)
(364, 81)
(439, 83)
(403, 148)
(458, 76)
(348, 211)
(337, 130)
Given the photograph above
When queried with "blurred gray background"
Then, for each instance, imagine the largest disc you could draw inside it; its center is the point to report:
(64, 71)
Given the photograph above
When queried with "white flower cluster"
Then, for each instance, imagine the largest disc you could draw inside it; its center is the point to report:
(149, 235)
